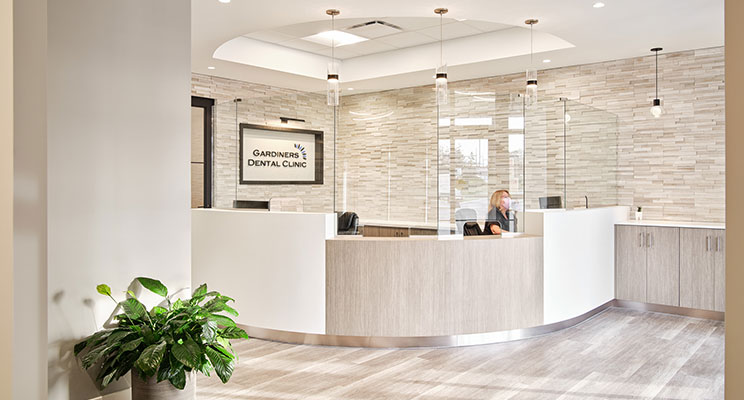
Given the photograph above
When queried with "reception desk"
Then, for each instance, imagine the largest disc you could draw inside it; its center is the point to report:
(294, 280)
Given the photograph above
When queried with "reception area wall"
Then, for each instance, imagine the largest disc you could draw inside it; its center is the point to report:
(668, 166)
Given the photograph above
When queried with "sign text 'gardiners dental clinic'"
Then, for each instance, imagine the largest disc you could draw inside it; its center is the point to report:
(277, 159)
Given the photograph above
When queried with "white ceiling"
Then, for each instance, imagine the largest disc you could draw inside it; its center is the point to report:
(414, 31)
(261, 41)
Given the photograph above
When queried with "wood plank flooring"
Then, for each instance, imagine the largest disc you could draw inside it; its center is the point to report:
(618, 354)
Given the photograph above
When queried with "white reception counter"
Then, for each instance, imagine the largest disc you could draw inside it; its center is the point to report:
(294, 280)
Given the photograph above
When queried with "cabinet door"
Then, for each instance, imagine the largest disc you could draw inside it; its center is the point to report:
(630, 263)
(662, 266)
(696, 268)
(720, 271)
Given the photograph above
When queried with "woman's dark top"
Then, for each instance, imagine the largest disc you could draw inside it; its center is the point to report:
(495, 217)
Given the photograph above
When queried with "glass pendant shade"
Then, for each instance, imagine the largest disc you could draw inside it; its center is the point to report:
(656, 109)
(334, 87)
(441, 85)
(531, 90)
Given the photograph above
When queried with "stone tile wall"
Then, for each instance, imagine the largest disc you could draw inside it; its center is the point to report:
(673, 166)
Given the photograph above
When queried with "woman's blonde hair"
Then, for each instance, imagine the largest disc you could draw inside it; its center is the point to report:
(496, 199)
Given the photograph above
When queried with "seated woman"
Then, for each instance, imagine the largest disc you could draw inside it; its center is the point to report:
(498, 221)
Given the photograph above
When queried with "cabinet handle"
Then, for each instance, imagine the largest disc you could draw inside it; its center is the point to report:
(718, 243)
(648, 240)
(707, 243)
(640, 240)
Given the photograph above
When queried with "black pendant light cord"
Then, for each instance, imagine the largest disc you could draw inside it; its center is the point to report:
(333, 41)
(657, 74)
(441, 39)
(532, 62)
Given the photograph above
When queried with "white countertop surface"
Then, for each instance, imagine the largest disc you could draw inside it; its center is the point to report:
(675, 224)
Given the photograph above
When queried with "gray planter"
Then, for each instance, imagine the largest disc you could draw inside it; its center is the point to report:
(151, 390)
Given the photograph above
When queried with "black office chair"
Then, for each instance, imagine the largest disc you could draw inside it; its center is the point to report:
(471, 229)
(348, 223)
(463, 215)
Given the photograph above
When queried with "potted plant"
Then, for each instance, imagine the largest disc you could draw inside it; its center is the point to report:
(166, 346)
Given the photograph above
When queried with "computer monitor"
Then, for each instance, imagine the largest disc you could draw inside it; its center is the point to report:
(551, 202)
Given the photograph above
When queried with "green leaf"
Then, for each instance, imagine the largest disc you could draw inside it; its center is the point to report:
(133, 308)
(178, 380)
(178, 304)
(233, 332)
(221, 320)
(104, 289)
(157, 310)
(150, 359)
(154, 286)
(188, 353)
(209, 331)
(131, 345)
(223, 365)
(200, 291)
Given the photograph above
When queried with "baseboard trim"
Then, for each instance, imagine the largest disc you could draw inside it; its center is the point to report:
(660, 308)
(420, 341)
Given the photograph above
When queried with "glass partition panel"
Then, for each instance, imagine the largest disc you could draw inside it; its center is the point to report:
(481, 151)
(591, 156)
(386, 166)
(545, 155)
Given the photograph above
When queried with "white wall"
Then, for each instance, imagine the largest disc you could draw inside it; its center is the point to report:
(30, 195)
(6, 198)
(118, 163)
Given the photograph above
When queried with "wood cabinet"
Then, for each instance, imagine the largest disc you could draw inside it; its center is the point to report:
(647, 264)
(630, 263)
(682, 267)
(662, 265)
(702, 269)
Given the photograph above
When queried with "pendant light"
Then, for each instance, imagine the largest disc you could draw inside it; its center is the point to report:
(441, 71)
(656, 109)
(531, 75)
(333, 83)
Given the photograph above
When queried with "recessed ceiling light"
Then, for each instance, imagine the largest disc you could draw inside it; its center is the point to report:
(210, 67)
(546, 61)
(338, 38)
(598, 4)
(351, 88)
(461, 19)
(224, 1)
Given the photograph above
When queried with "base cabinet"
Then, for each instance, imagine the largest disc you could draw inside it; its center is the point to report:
(702, 269)
(683, 267)
(647, 264)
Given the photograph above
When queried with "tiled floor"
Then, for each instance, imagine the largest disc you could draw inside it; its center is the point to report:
(619, 354)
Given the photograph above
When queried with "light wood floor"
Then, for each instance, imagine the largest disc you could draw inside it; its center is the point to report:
(619, 354)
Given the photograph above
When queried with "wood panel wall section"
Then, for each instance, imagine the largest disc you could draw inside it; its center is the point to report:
(430, 287)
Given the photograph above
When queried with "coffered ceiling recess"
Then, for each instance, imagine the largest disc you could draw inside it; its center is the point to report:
(388, 44)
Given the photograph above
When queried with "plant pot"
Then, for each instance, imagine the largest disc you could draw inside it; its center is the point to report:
(152, 390)
(639, 215)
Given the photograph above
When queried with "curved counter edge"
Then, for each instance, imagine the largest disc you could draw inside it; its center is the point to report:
(420, 341)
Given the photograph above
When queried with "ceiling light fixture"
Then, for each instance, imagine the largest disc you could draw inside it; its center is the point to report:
(334, 38)
(656, 109)
(351, 88)
(546, 61)
(211, 68)
(440, 77)
(224, 1)
(531, 75)
(598, 4)
(333, 84)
